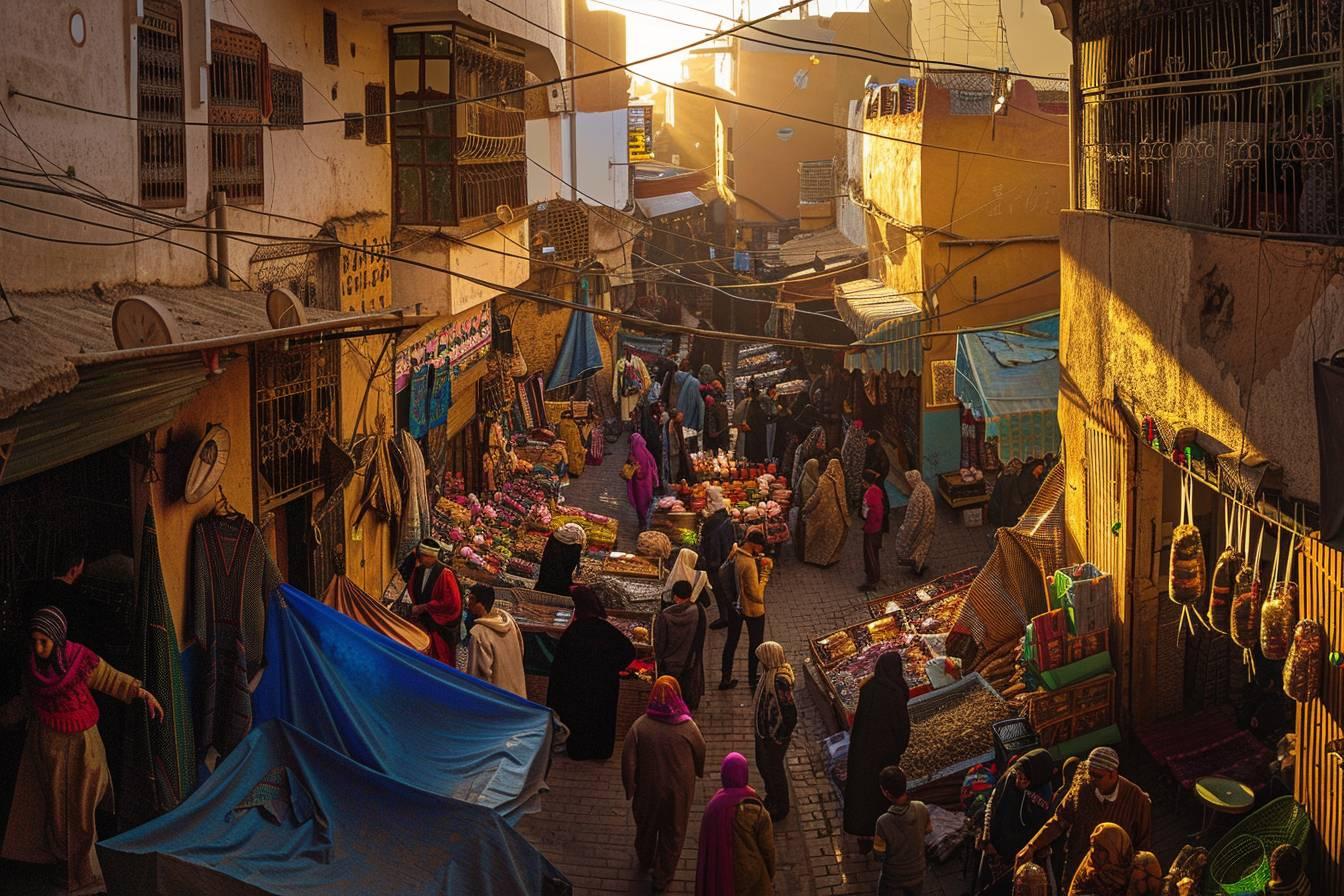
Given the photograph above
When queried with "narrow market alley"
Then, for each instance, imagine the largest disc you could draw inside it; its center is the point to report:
(584, 825)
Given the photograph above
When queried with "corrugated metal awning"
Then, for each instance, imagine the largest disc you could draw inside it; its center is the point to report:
(882, 318)
(1012, 380)
(110, 404)
(671, 204)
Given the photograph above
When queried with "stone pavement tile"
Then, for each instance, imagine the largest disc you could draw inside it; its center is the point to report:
(584, 825)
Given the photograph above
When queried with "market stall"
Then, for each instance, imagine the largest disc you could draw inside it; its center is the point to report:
(754, 494)
(766, 364)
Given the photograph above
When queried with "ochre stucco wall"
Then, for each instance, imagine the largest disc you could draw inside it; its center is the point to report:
(1195, 326)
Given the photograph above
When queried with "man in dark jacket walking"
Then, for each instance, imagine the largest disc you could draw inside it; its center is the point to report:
(717, 537)
(679, 644)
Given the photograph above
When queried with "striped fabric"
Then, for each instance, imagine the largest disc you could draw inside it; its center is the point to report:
(1010, 587)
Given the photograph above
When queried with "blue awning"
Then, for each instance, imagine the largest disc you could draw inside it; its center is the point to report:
(579, 356)
(1012, 380)
(400, 712)
(287, 814)
(879, 314)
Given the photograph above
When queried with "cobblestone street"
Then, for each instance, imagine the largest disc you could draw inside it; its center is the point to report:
(585, 825)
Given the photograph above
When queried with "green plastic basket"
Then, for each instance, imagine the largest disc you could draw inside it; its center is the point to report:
(1239, 863)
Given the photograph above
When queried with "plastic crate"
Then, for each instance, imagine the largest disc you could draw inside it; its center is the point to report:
(1013, 737)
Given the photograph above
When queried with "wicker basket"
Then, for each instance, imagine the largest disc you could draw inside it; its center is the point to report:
(1240, 862)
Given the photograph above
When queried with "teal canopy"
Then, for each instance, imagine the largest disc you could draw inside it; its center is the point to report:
(1012, 380)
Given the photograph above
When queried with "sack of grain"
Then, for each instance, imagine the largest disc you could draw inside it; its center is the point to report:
(1225, 571)
(1277, 618)
(1246, 600)
(1302, 671)
(1187, 565)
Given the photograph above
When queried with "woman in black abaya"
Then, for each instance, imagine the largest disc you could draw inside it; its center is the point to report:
(880, 734)
(585, 677)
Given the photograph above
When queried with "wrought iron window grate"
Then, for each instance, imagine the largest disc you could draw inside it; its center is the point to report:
(375, 112)
(160, 95)
(1221, 113)
(286, 98)
(296, 404)
(235, 114)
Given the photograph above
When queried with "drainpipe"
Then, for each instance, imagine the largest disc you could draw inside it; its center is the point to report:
(573, 96)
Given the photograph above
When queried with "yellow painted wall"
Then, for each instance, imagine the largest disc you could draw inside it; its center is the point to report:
(602, 30)
(226, 401)
(1196, 326)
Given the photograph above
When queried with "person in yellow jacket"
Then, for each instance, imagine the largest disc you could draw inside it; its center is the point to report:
(752, 571)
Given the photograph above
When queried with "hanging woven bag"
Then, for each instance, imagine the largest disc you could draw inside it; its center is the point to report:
(1302, 671)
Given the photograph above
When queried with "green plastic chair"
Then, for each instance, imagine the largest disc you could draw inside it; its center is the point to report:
(1239, 863)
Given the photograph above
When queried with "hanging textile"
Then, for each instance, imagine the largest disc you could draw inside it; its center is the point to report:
(579, 356)
(532, 402)
(159, 770)
(232, 575)
(415, 522)
(440, 395)
(417, 420)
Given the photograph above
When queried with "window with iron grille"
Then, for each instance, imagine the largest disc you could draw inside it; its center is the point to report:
(375, 110)
(159, 88)
(296, 395)
(1222, 113)
(354, 125)
(235, 114)
(286, 98)
(457, 159)
(331, 52)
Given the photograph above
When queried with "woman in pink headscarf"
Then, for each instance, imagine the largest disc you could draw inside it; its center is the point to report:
(639, 487)
(737, 848)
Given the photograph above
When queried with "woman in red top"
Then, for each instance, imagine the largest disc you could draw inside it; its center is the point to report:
(875, 511)
(63, 775)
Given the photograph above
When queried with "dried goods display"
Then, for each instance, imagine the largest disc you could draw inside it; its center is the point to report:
(621, 564)
(1277, 619)
(1246, 601)
(924, 595)
(1302, 671)
(952, 729)
(1225, 573)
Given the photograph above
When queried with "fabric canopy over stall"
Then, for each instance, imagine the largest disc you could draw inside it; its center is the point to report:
(347, 597)
(879, 314)
(1010, 587)
(400, 712)
(1012, 381)
(579, 356)
(286, 814)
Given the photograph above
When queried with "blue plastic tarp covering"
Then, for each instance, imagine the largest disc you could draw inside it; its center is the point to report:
(1012, 380)
(285, 814)
(579, 356)
(400, 712)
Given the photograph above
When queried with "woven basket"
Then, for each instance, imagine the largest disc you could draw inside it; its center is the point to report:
(1236, 866)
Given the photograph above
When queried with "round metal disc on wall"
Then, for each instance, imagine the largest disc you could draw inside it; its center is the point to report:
(284, 309)
(140, 322)
(207, 465)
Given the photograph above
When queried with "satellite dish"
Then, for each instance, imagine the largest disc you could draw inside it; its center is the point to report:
(504, 213)
(284, 309)
(141, 322)
(207, 464)
(784, 134)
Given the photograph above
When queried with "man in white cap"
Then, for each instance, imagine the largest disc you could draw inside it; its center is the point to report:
(1099, 794)
(436, 600)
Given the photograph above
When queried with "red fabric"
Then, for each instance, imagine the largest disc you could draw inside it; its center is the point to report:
(872, 499)
(444, 609)
(60, 695)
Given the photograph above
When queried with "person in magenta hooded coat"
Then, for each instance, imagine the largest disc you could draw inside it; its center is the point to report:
(639, 487)
(737, 848)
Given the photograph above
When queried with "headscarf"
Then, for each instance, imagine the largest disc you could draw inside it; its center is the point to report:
(714, 865)
(689, 400)
(1038, 767)
(665, 703)
(913, 478)
(571, 533)
(714, 500)
(706, 373)
(683, 570)
(1106, 867)
(639, 489)
(67, 662)
(813, 445)
(1145, 876)
(774, 664)
(1015, 815)
(808, 482)
(890, 673)
(586, 603)
(430, 547)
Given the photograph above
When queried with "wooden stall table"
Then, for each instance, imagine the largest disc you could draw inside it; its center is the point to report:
(1221, 796)
(968, 497)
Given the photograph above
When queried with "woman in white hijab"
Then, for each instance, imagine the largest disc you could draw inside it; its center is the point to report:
(560, 559)
(683, 570)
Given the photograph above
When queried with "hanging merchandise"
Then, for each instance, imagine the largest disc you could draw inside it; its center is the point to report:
(1187, 559)
(1225, 572)
(1030, 880)
(440, 394)
(1247, 595)
(417, 420)
(1278, 617)
(1302, 671)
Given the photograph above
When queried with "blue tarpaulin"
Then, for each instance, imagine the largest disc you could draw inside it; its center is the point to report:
(285, 814)
(579, 356)
(400, 712)
(1012, 380)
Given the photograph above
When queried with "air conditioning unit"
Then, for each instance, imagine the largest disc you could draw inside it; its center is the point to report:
(560, 97)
